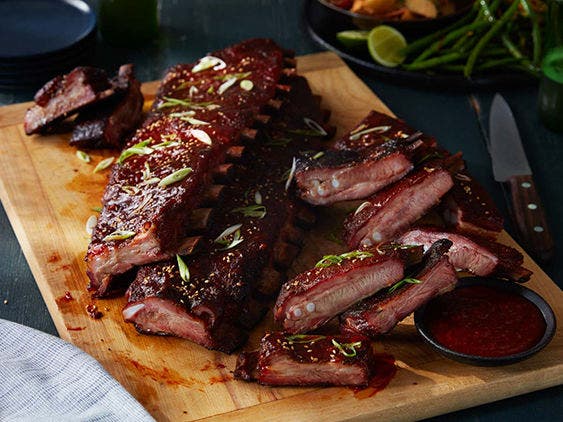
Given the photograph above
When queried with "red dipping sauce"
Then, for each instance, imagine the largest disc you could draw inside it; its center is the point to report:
(482, 321)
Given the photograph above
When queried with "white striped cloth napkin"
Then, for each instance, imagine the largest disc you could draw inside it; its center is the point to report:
(43, 378)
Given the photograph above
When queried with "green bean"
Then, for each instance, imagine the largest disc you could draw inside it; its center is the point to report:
(512, 49)
(536, 33)
(498, 62)
(429, 39)
(497, 26)
(436, 61)
(452, 36)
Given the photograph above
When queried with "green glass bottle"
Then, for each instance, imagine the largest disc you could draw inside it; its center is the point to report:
(550, 97)
(128, 22)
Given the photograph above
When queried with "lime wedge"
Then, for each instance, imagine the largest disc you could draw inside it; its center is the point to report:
(352, 38)
(386, 46)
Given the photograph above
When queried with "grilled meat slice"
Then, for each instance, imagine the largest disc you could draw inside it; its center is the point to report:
(65, 95)
(250, 232)
(307, 360)
(341, 175)
(469, 208)
(379, 314)
(106, 125)
(393, 209)
(336, 283)
(376, 153)
(479, 256)
(189, 131)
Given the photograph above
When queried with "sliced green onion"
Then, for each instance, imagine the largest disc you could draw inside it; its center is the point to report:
(201, 136)
(232, 75)
(193, 90)
(401, 283)
(208, 62)
(104, 164)
(226, 85)
(318, 155)
(347, 349)
(96, 209)
(379, 129)
(304, 338)
(362, 206)
(329, 260)
(291, 173)
(130, 190)
(82, 156)
(91, 223)
(119, 235)
(222, 239)
(246, 84)
(315, 126)
(175, 177)
(254, 211)
(166, 144)
(137, 149)
(183, 269)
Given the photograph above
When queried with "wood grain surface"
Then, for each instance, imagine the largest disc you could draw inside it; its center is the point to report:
(49, 194)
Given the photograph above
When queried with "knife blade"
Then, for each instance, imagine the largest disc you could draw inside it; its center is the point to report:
(512, 170)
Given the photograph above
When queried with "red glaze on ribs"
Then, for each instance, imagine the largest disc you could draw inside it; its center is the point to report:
(381, 313)
(308, 360)
(314, 297)
(65, 95)
(376, 153)
(393, 209)
(189, 129)
(469, 208)
(479, 256)
(106, 125)
(223, 294)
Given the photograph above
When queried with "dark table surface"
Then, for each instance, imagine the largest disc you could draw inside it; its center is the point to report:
(191, 28)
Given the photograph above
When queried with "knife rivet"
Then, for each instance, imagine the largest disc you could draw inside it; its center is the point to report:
(538, 229)
(526, 185)
(532, 206)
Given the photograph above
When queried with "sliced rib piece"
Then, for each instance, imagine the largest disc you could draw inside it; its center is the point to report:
(189, 129)
(65, 95)
(314, 297)
(341, 175)
(381, 313)
(251, 232)
(376, 153)
(479, 256)
(469, 208)
(106, 125)
(396, 207)
(307, 360)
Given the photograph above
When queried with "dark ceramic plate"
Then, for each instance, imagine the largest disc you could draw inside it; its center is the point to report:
(537, 300)
(323, 24)
(35, 29)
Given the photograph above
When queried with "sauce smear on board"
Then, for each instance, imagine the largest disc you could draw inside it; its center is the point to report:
(482, 321)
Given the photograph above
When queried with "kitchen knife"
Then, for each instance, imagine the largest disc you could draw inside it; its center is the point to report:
(511, 168)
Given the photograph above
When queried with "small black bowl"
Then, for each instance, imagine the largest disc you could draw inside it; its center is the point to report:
(507, 286)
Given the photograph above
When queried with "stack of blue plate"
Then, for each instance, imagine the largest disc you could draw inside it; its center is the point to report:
(40, 39)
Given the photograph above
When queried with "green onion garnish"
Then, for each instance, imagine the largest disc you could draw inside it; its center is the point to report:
(347, 349)
(254, 211)
(175, 177)
(379, 129)
(183, 269)
(329, 260)
(401, 283)
(82, 156)
(246, 84)
(104, 164)
(304, 338)
(137, 149)
(119, 235)
(223, 238)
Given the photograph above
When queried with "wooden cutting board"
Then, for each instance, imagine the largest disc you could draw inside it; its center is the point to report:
(49, 194)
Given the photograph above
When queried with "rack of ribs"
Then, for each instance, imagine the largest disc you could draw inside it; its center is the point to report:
(201, 115)
(380, 150)
(253, 234)
(308, 360)
(380, 313)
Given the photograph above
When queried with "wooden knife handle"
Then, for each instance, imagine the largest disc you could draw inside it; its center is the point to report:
(528, 214)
